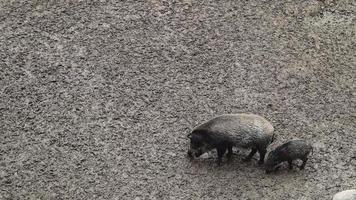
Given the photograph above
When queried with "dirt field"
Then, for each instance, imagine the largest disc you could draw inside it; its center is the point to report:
(97, 97)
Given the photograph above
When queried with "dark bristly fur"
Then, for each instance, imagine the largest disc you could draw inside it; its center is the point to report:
(226, 131)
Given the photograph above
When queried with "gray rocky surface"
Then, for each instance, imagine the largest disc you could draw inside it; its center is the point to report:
(97, 97)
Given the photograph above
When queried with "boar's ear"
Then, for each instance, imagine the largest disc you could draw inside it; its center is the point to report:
(189, 135)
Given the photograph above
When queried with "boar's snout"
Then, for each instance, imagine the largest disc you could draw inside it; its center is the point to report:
(270, 166)
(198, 153)
(194, 153)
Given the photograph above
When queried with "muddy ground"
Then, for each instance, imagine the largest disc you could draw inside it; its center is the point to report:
(97, 97)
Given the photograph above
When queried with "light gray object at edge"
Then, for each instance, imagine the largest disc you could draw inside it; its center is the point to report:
(345, 195)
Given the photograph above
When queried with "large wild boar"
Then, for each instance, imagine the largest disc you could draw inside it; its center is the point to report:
(232, 130)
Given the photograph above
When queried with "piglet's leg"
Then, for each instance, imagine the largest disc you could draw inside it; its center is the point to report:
(221, 152)
(290, 163)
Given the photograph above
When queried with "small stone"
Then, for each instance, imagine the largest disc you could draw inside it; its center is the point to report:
(124, 175)
(345, 195)
(171, 154)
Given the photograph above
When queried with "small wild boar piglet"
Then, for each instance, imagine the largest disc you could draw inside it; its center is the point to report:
(225, 131)
(292, 150)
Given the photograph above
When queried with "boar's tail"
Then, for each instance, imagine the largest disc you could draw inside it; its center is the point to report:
(273, 137)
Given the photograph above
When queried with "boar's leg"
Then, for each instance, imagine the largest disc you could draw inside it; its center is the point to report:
(221, 152)
(229, 152)
(304, 162)
(252, 153)
(290, 163)
(262, 153)
(190, 154)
